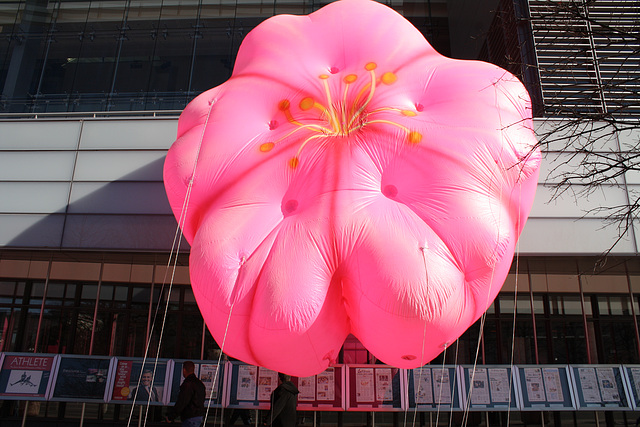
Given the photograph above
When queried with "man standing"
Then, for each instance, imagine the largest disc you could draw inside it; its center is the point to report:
(284, 400)
(190, 404)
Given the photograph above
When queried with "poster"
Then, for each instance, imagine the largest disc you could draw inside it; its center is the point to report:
(326, 385)
(81, 378)
(500, 385)
(267, 382)
(365, 391)
(210, 375)
(247, 378)
(534, 385)
(441, 386)
(144, 383)
(479, 387)
(384, 390)
(25, 376)
(553, 384)
(608, 385)
(589, 385)
(422, 386)
(635, 376)
(307, 389)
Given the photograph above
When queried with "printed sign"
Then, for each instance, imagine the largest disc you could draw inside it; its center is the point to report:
(546, 386)
(600, 386)
(81, 379)
(372, 387)
(133, 381)
(25, 376)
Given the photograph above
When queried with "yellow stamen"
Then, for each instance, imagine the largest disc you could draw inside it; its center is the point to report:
(371, 66)
(294, 162)
(331, 112)
(387, 122)
(409, 113)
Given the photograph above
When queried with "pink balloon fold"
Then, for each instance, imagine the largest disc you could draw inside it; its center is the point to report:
(349, 179)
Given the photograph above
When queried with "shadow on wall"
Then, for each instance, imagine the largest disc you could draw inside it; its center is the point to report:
(130, 213)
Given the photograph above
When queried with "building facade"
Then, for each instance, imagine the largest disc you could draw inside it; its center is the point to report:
(91, 92)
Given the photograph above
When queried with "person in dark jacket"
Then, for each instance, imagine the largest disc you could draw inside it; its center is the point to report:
(284, 400)
(190, 404)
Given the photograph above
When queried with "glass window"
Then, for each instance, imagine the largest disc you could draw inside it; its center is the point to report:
(89, 294)
(55, 290)
(7, 288)
(121, 292)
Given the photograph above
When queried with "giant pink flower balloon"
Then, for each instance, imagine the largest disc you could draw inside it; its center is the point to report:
(349, 179)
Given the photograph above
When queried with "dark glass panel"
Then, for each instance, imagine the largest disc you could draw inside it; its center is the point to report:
(50, 331)
(137, 50)
(10, 36)
(168, 86)
(102, 340)
(568, 341)
(82, 332)
(89, 294)
(6, 325)
(25, 55)
(7, 288)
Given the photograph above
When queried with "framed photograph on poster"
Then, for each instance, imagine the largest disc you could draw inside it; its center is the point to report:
(82, 378)
(374, 388)
(210, 373)
(135, 380)
(26, 376)
(433, 387)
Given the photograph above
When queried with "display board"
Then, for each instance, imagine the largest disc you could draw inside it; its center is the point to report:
(489, 387)
(600, 386)
(249, 386)
(209, 372)
(324, 391)
(545, 387)
(374, 388)
(433, 387)
(632, 376)
(144, 382)
(82, 378)
(26, 376)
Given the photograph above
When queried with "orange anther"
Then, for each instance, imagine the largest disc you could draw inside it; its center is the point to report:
(284, 105)
(267, 146)
(389, 78)
(371, 66)
(307, 103)
(350, 78)
(294, 162)
(414, 137)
